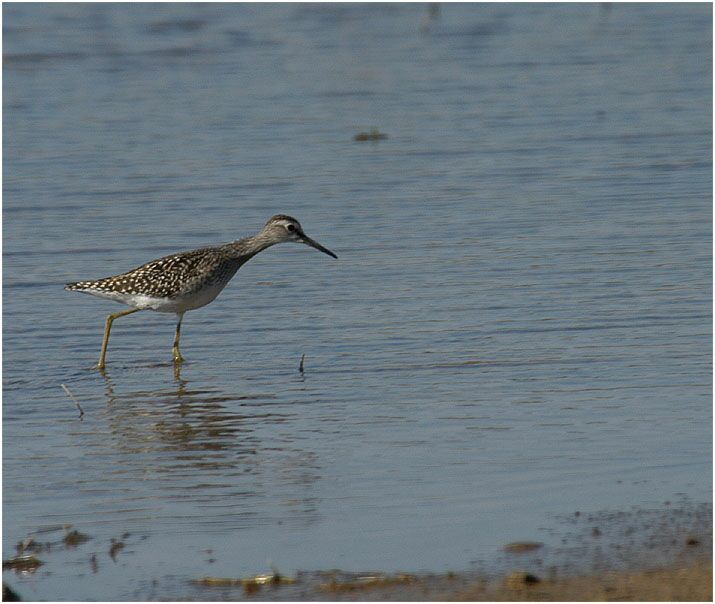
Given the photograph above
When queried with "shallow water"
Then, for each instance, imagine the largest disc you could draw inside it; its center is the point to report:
(519, 324)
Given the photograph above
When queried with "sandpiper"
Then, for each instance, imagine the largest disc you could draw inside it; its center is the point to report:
(188, 280)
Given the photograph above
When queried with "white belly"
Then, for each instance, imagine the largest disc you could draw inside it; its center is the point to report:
(179, 304)
(193, 301)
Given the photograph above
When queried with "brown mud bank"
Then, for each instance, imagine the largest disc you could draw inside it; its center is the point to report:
(692, 583)
(689, 583)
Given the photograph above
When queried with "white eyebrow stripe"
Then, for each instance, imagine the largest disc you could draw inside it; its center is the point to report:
(286, 223)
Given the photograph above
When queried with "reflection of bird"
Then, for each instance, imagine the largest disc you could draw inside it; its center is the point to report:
(188, 280)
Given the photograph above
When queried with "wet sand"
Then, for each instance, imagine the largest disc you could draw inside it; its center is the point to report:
(691, 583)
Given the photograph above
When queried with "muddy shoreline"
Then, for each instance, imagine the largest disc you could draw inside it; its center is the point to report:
(662, 554)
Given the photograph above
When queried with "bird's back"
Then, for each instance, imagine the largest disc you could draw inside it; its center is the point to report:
(172, 277)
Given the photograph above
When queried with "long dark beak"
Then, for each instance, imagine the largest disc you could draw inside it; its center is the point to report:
(308, 241)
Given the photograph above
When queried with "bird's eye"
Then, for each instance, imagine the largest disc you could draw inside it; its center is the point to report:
(291, 228)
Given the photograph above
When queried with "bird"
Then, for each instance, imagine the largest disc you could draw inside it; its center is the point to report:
(185, 281)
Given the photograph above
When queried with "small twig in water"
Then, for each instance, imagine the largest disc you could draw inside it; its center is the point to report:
(300, 368)
(76, 402)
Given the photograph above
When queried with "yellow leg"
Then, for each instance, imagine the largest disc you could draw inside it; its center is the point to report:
(175, 350)
(107, 329)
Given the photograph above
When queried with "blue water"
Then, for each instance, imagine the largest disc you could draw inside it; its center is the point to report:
(519, 324)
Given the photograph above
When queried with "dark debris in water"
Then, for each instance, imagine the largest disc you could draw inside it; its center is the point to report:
(373, 135)
(26, 560)
(22, 564)
(522, 547)
(115, 547)
(71, 539)
(249, 584)
(74, 538)
(31, 545)
(692, 541)
(368, 581)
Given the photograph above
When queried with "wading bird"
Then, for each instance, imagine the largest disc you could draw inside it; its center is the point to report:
(188, 280)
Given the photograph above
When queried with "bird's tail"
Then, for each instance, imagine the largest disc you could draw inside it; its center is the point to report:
(77, 286)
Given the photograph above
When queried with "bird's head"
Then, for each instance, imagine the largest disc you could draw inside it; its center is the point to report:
(282, 229)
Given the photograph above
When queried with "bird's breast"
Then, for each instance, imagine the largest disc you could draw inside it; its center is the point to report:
(201, 291)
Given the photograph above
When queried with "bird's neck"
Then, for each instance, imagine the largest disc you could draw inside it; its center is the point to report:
(246, 248)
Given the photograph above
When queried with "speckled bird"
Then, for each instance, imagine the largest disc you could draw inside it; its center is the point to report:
(188, 280)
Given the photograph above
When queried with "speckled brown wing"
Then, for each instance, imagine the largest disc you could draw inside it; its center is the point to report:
(167, 277)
